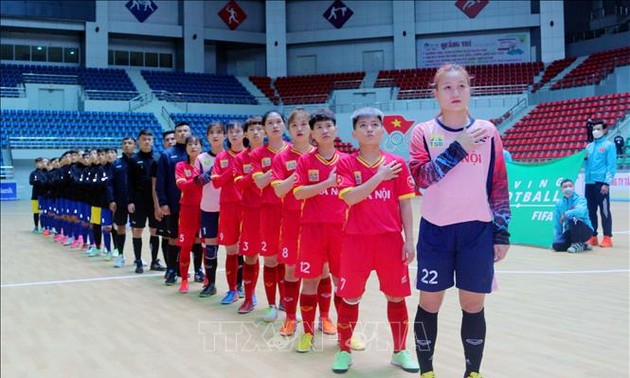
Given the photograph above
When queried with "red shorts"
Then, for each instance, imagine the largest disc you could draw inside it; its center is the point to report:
(230, 218)
(270, 220)
(290, 231)
(189, 225)
(320, 243)
(250, 232)
(364, 253)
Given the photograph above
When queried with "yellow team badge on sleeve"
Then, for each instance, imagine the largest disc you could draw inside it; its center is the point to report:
(313, 175)
(291, 165)
(436, 140)
(266, 162)
(224, 163)
(357, 178)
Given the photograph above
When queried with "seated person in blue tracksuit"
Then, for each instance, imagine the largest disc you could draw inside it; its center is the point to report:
(571, 224)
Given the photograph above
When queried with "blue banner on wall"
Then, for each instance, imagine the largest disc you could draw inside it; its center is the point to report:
(8, 191)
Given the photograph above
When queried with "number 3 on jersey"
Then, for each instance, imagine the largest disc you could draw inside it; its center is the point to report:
(429, 277)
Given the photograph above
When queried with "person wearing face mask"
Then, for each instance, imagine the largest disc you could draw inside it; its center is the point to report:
(600, 166)
(571, 224)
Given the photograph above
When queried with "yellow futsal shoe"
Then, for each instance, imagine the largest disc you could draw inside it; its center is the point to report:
(305, 343)
(357, 345)
(474, 374)
(428, 374)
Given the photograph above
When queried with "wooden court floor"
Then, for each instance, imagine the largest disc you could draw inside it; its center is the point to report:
(66, 315)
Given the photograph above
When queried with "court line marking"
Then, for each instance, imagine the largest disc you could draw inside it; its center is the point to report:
(96, 279)
(593, 271)
(80, 280)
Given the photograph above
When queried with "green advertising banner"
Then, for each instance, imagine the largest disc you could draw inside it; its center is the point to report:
(534, 189)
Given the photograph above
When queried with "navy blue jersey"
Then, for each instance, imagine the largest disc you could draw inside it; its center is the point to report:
(118, 187)
(37, 179)
(167, 191)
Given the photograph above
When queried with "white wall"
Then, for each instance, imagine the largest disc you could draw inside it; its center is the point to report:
(340, 56)
(551, 30)
(70, 100)
(246, 62)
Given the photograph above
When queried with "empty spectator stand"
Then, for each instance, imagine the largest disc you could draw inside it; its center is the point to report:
(595, 68)
(552, 70)
(345, 147)
(264, 84)
(315, 89)
(72, 129)
(556, 129)
(198, 87)
(487, 79)
(98, 83)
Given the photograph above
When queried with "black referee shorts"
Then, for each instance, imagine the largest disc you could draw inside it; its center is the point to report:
(144, 212)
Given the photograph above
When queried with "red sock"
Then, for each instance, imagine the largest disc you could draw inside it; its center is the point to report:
(249, 280)
(398, 322)
(337, 299)
(256, 272)
(281, 283)
(231, 270)
(291, 292)
(270, 278)
(308, 302)
(324, 294)
(184, 261)
(348, 316)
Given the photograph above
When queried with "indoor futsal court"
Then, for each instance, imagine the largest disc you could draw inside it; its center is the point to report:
(67, 315)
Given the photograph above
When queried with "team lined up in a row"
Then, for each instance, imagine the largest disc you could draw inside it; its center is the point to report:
(312, 212)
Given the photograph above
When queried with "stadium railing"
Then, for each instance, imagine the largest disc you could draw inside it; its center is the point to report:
(6, 172)
(66, 142)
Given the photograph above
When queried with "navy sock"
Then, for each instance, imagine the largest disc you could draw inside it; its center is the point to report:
(107, 240)
(154, 244)
(210, 263)
(121, 242)
(425, 330)
(137, 248)
(197, 256)
(473, 333)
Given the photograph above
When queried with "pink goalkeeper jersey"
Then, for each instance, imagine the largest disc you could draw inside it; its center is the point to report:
(460, 187)
(210, 196)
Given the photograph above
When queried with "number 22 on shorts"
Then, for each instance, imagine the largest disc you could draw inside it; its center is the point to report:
(429, 277)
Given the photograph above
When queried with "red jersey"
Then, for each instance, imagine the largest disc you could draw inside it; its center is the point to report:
(326, 207)
(184, 176)
(262, 159)
(383, 201)
(223, 177)
(283, 166)
(243, 180)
